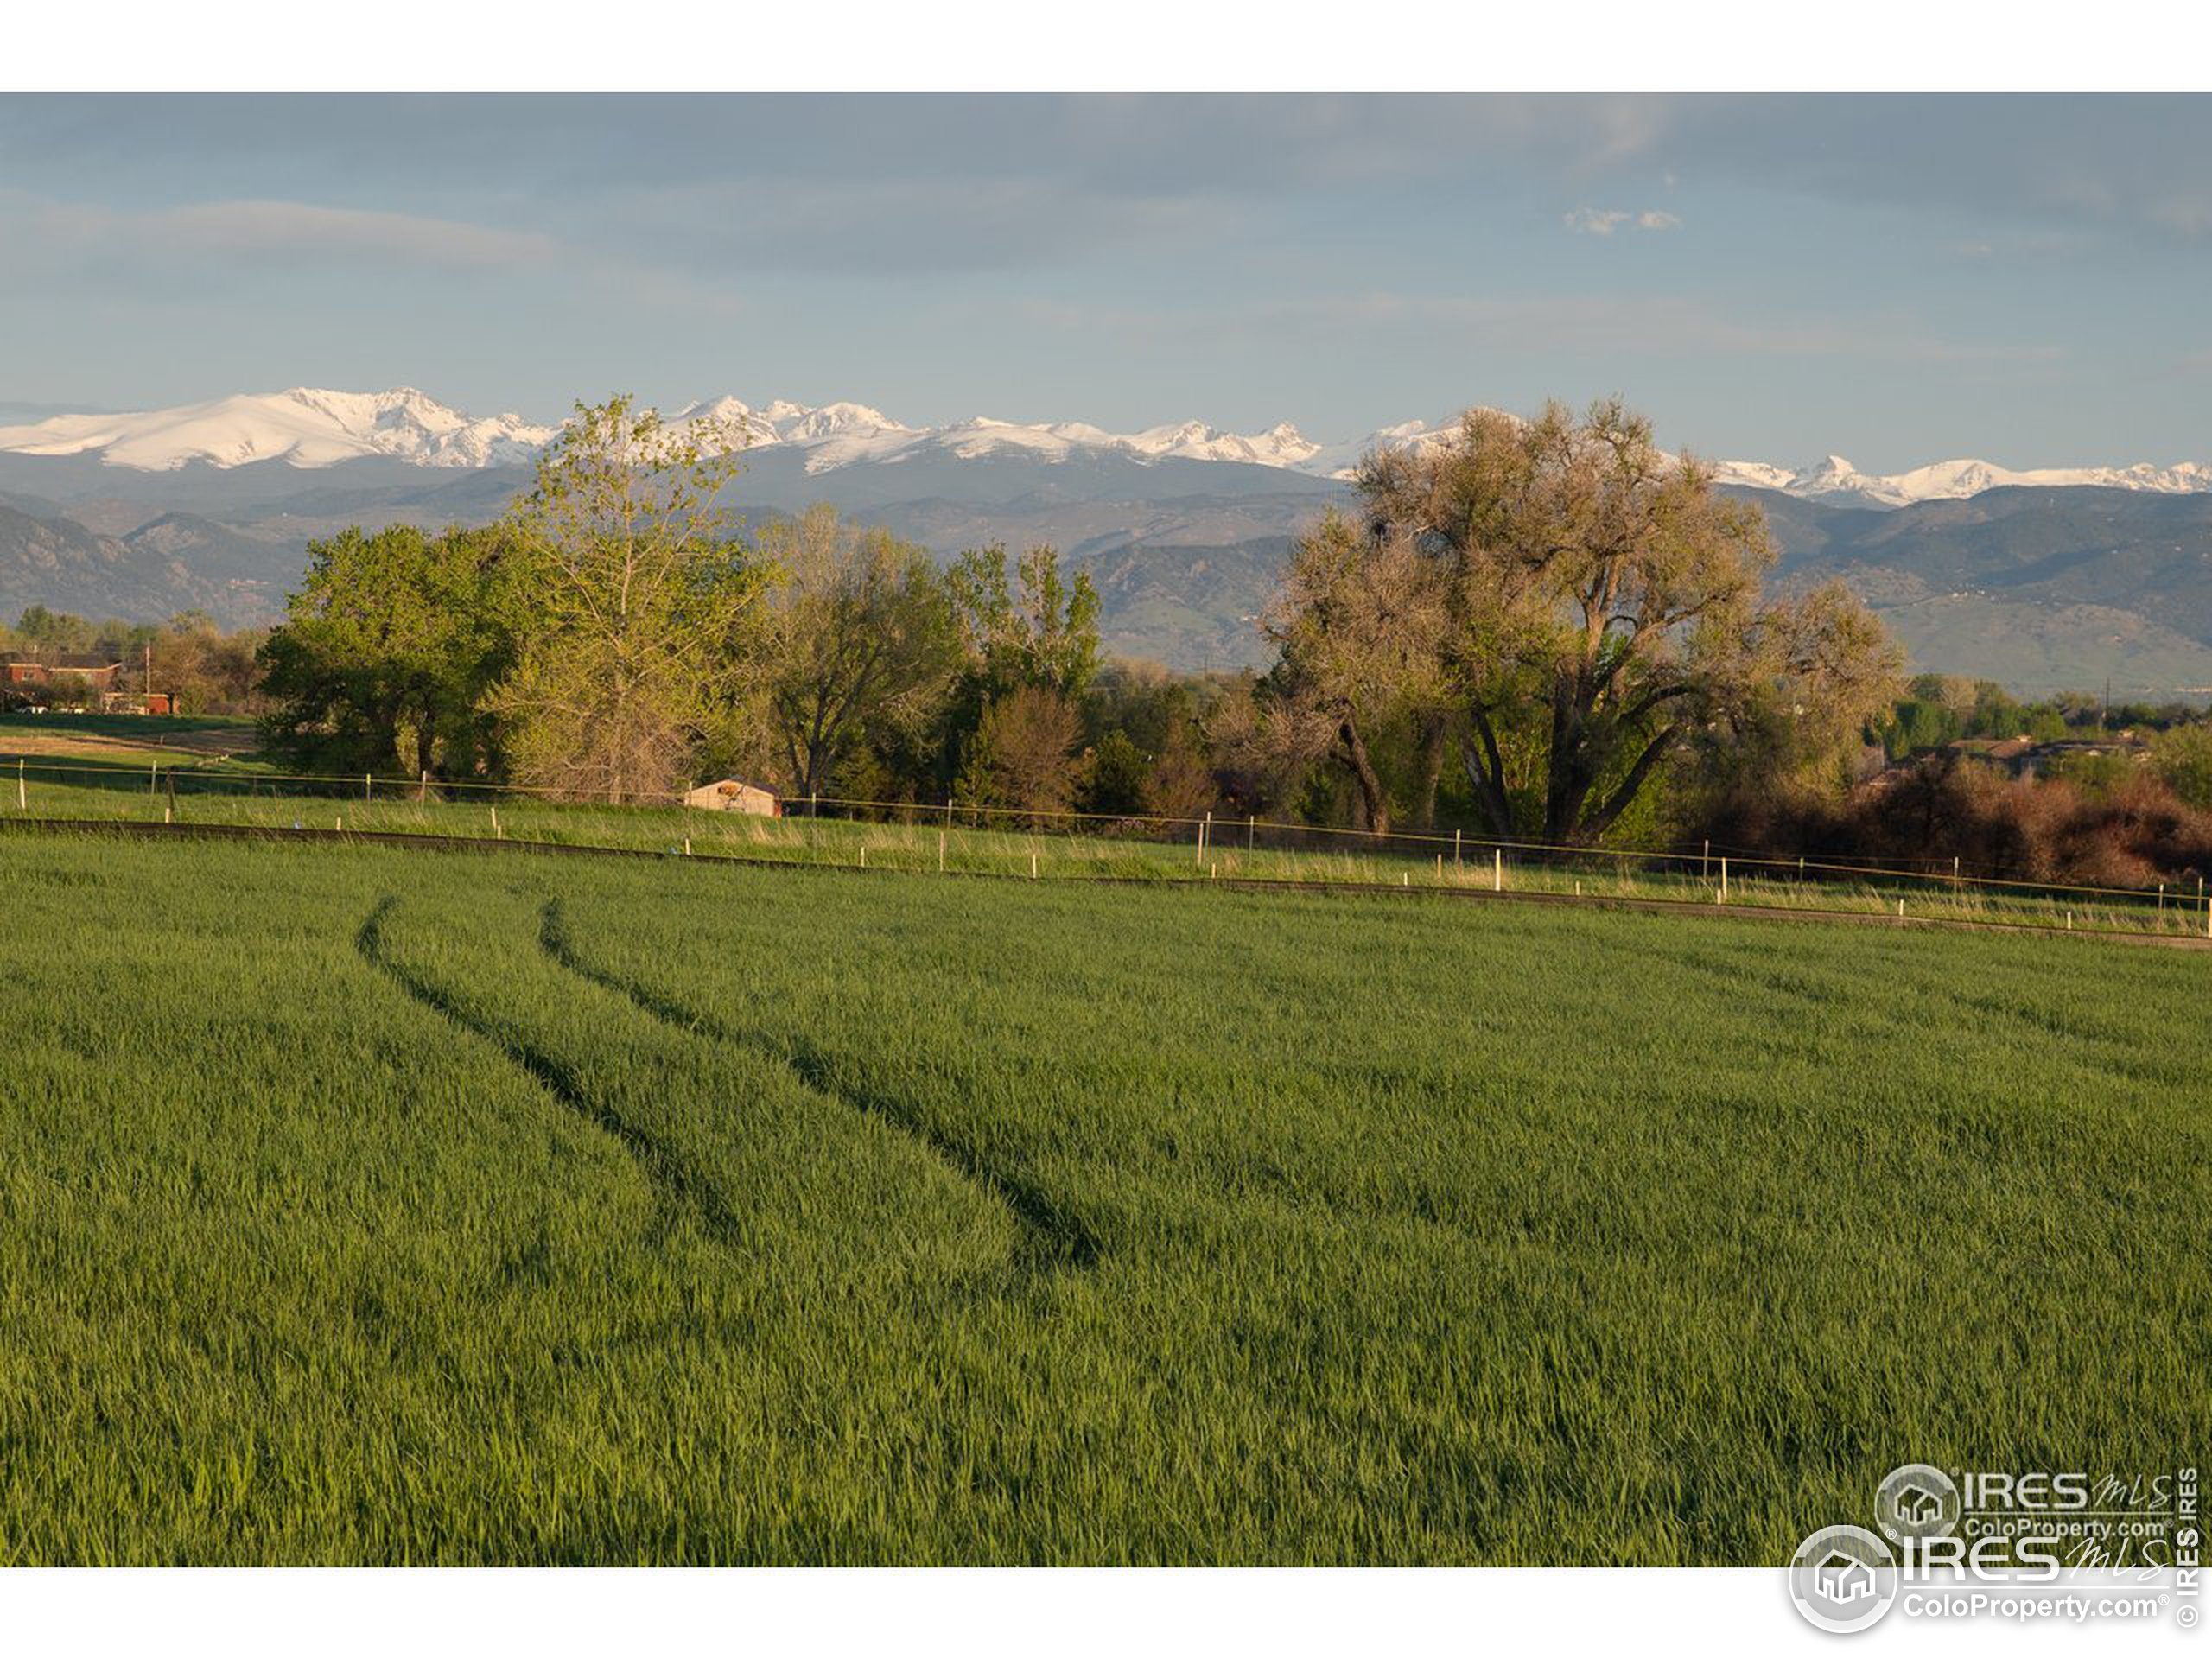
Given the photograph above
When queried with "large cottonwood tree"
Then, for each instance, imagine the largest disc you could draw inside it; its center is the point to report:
(1361, 625)
(1577, 604)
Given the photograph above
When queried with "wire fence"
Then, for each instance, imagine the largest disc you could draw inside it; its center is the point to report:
(975, 837)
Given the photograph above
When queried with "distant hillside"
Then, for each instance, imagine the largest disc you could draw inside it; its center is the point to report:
(1192, 606)
(2044, 589)
(58, 562)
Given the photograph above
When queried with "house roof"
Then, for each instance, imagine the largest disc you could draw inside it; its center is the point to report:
(66, 659)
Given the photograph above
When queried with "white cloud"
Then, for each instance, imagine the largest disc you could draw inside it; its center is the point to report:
(1603, 221)
(65, 233)
(1592, 221)
(293, 228)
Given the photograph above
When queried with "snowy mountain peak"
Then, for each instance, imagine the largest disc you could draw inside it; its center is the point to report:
(1834, 478)
(310, 427)
(306, 426)
(833, 418)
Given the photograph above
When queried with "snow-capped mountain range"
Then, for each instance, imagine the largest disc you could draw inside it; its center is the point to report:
(308, 427)
(304, 427)
(1833, 478)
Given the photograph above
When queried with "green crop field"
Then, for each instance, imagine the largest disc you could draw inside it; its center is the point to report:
(370, 1205)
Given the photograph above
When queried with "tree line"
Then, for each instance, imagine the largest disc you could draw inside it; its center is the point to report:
(201, 664)
(1539, 630)
(619, 634)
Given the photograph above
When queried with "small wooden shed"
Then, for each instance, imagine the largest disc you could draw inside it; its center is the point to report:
(736, 795)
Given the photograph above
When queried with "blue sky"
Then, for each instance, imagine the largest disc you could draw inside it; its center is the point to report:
(1897, 279)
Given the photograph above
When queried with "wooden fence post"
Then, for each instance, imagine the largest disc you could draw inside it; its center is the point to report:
(1497, 869)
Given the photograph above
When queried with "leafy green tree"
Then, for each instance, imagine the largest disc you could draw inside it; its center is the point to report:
(207, 670)
(2183, 757)
(641, 605)
(43, 630)
(1917, 725)
(1816, 675)
(1022, 626)
(1995, 713)
(1118, 770)
(861, 636)
(1361, 624)
(1603, 606)
(388, 650)
(1022, 756)
(1023, 623)
(2096, 774)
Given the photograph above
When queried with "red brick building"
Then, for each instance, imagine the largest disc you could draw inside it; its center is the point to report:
(97, 671)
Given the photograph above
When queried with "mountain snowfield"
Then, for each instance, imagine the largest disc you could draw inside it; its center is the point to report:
(309, 427)
(1835, 480)
(304, 427)
(840, 434)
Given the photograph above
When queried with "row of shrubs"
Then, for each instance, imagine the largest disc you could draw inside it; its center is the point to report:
(1945, 806)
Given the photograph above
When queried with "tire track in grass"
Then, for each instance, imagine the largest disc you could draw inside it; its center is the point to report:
(675, 1186)
(1051, 1238)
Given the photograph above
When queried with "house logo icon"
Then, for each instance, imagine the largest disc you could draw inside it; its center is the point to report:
(1916, 1501)
(1843, 1578)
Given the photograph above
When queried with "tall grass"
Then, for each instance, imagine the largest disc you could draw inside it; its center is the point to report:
(376, 1206)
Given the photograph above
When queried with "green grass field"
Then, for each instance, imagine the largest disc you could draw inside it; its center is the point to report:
(368, 1205)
